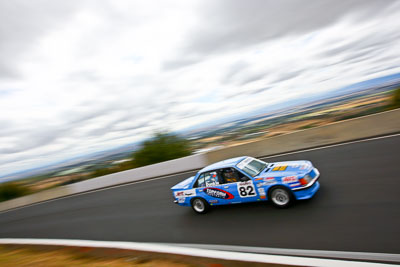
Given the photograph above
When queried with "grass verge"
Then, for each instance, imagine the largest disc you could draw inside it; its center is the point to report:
(54, 256)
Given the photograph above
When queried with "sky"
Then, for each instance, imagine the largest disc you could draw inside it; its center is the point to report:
(82, 76)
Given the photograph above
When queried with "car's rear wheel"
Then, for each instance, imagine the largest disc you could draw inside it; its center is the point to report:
(280, 196)
(199, 205)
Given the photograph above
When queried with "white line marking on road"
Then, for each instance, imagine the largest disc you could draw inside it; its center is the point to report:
(195, 252)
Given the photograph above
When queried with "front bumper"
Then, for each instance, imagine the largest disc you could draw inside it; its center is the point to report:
(310, 184)
(307, 193)
(309, 190)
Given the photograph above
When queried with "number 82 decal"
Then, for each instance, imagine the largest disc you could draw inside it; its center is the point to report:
(246, 189)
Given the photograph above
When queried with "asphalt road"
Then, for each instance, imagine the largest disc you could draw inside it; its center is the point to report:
(356, 209)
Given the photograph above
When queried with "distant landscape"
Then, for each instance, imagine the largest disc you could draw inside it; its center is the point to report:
(360, 99)
(355, 101)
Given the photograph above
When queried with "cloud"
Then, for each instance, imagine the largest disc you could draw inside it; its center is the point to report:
(31, 139)
(82, 76)
(287, 75)
(365, 44)
(179, 63)
(235, 69)
(22, 24)
(236, 24)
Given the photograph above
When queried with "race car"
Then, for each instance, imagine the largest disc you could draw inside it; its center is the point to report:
(247, 179)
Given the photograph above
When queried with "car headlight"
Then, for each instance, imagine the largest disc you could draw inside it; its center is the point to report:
(305, 180)
(308, 178)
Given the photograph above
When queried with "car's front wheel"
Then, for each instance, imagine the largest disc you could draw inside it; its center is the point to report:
(280, 197)
(199, 205)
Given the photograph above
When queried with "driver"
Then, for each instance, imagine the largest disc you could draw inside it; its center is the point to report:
(229, 176)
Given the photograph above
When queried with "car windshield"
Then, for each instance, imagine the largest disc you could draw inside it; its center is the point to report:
(252, 166)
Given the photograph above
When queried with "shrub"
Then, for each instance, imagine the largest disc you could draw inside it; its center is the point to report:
(12, 190)
(162, 147)
(396, 99)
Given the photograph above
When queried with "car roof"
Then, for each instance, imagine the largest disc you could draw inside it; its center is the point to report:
(223, 164)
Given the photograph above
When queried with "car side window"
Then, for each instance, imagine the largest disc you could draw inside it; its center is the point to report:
(231, 175)
(211, 178)
(200, 181)
(242, 177)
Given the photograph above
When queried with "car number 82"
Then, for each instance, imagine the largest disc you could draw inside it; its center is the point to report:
(246, 189)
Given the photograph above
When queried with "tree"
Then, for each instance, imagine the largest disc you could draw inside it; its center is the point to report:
(396, 99)
(12, 190)
(162, 147)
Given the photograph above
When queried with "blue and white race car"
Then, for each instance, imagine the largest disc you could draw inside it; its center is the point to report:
(246, 179)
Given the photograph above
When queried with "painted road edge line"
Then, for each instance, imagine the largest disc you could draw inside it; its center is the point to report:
(195, 252)
(344, 255)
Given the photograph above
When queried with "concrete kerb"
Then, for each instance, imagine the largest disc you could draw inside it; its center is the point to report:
(380, 124)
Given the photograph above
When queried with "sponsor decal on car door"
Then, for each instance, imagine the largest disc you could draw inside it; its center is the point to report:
(217, 193)
(214, 192)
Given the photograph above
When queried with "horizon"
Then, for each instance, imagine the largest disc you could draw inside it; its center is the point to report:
(362, 85)
(79, 77)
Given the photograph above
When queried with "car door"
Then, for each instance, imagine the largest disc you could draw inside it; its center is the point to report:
(210, 188)
(239, 185)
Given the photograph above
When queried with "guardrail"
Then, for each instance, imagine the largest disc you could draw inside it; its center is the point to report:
(384, 123)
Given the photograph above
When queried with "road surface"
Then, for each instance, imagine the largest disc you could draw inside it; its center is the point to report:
(356, 209)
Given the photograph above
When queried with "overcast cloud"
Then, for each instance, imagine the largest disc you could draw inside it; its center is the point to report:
(82, 76)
